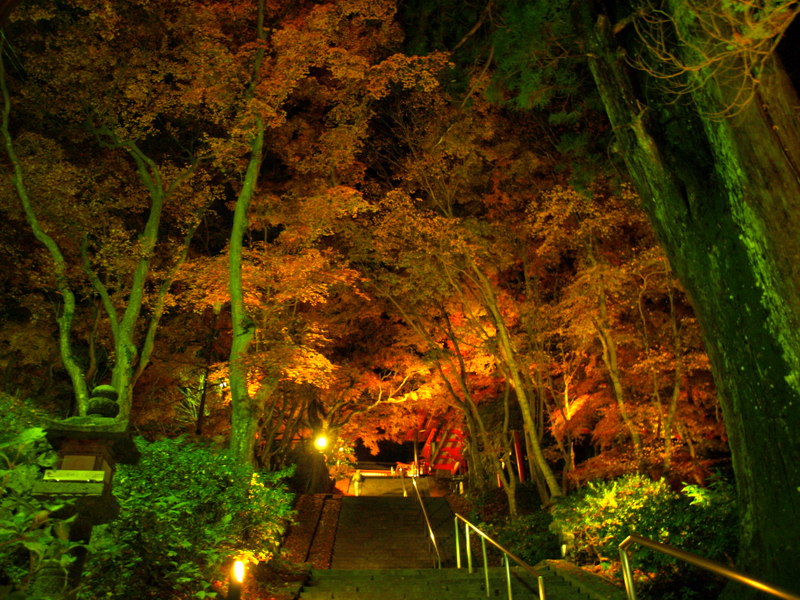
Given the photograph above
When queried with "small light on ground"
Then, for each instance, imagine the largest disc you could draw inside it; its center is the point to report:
(235, 584)
(238, 571)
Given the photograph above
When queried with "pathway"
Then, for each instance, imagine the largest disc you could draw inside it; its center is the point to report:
(380, 551)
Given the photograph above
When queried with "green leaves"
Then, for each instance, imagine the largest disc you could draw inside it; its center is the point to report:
(186, 509)
(29, 535)
(594, 521)
(528, 59)
(527, 536)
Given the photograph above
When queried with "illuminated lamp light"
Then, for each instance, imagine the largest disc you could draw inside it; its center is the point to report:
(237, 579)
(238, 571)
(321, 442)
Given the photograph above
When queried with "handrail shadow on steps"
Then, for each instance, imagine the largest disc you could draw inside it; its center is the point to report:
(693, 559)
(431, 535)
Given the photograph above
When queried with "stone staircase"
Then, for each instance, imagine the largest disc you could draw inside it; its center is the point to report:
(444, 584)
(381, 552)
(380, 532)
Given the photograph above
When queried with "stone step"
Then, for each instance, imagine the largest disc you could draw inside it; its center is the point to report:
(383, 532)
(594, 586)
(424, 584)
(382, 552)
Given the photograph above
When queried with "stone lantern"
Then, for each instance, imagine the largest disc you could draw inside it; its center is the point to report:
(88, 449)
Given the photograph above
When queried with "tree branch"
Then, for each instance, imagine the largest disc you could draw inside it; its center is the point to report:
(100, 288)
(59, 262)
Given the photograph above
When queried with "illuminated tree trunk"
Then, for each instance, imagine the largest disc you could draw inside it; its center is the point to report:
(124, 328)
(126, 355)
(132, 354)
(59, 266)
(506, 473)
(723, 197)
(514, 374)
(476, 457)
(611, 361)
(125, 332)
(244, 419)
(59, 263)
(476, 464)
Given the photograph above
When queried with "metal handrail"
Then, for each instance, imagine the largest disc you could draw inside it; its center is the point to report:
(431, 535)
(507, 554)
(698, 561)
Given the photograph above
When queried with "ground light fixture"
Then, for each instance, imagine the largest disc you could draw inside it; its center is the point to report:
(236, 581)
(321, 442)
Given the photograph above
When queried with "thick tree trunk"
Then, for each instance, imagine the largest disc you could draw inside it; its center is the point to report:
(723, 197)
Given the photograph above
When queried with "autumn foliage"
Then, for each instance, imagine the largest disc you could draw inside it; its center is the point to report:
(410, 248)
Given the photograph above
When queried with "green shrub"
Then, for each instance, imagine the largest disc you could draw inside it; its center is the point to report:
(18, 414)
(186, 510)
(29, 534)
(593, 522)
(527, 536)
(709, 524)
(704, 523)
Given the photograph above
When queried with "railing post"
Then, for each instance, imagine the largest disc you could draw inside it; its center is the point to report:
(485, 566)
(431, 535)
(698, 561)
(468, 548)
(508, 556)
(508, 575)
(627, 575)
(458, 545)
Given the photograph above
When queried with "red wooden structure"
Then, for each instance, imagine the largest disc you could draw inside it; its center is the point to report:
(442, 446)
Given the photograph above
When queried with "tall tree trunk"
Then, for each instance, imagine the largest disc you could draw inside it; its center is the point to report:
(723, 197)
(244, 417)
(508, 357)
(610, 360)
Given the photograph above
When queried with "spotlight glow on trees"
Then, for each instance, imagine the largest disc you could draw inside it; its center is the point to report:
(321, 442)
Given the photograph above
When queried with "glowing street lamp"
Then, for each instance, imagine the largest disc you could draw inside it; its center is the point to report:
(236, 582)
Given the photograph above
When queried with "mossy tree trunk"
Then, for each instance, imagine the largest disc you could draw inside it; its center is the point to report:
(245, 409)
(724, 197)
(131, 355)
(67, 314)
(244, 418)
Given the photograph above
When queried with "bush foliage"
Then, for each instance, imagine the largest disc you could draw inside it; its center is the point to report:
(702, 520)
(186, 512)
(527, 536)
(29, 533)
